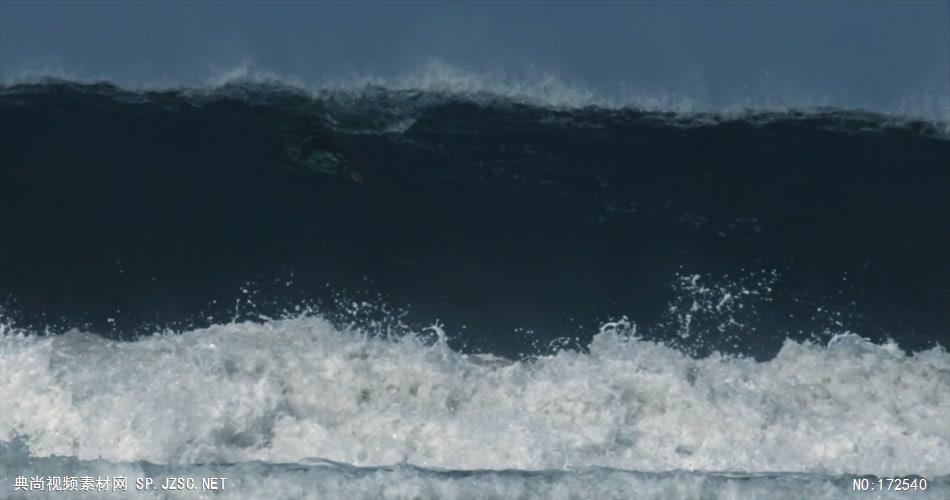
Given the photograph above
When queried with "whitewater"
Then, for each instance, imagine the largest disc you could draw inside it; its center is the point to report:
(249, 396)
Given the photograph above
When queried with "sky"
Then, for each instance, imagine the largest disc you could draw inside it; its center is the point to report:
(884, 56)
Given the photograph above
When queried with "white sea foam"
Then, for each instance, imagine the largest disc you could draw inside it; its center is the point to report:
(296, 389)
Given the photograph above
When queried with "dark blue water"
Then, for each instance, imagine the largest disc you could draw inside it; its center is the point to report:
(510, 224)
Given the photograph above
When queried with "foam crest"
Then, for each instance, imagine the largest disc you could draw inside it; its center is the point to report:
(530, 86)
(296, 389)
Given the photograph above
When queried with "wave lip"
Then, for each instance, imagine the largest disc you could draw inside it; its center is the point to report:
(380, 106)
(439, 80)
(288, 390)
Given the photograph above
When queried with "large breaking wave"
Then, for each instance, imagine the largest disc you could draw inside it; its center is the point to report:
(746, 247)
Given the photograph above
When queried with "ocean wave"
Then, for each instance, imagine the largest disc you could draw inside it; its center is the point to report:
(287, 391)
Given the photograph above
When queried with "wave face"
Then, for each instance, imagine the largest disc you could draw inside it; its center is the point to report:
(240, 280)
(130, 211)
